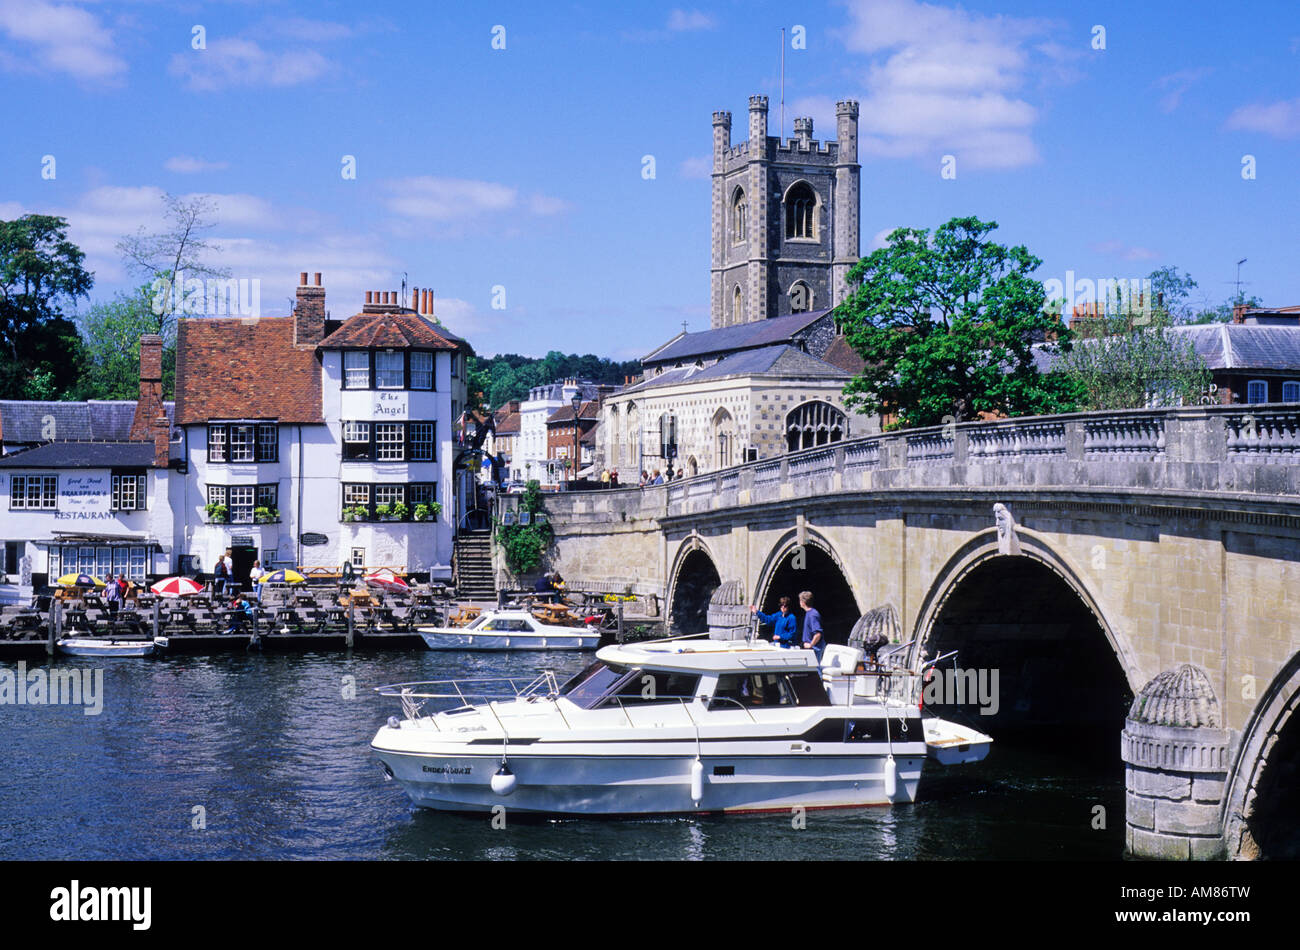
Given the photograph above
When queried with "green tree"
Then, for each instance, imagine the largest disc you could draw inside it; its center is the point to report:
(111, 332)
(945, 323)
(1135, 360)
(525, 544)
(1172, 290)
(40, 272)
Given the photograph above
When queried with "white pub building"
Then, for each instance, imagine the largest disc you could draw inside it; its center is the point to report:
(297, 441)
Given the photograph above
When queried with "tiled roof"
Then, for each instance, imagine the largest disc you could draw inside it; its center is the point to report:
(238, 368)
(588, 410)
(841, 354)
(508, 423)
(401, 328)
(782, 361)
(98, 419)
(743, 336)
(83, 455)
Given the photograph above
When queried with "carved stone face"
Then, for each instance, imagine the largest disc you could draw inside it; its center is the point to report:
(1002, 518)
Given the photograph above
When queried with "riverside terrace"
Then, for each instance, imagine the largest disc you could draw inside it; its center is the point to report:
(1146, 560)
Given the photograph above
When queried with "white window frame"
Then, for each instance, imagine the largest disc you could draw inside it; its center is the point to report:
(44, 498)
(243, 443)
(417, 443)
(356, 369)
(386, 372)
(393, 448)
(421, 373)
(241, 511)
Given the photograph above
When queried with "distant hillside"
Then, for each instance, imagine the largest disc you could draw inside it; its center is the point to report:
(510, 376)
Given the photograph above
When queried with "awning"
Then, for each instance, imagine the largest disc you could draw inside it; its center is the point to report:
(82, 538)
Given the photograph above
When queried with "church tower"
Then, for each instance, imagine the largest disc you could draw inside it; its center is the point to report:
(785, 217)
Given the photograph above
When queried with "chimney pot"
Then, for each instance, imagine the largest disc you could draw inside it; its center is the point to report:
(415, 300)
(317, 278)
(385, 299)
(368, 295)
(302, 279)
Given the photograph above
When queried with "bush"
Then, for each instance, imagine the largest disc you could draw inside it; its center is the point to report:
(525, 545)
(219, 514)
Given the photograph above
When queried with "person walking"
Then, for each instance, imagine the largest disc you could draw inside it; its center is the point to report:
(220, 576)
(814, 638)
(783, 623)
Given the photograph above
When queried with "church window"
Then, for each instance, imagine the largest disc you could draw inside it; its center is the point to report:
(812, 424)
(800, 212)
(801, 300)
(737, 306)
(739, 217)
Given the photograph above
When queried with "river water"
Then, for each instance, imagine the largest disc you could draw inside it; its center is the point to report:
(267, 757)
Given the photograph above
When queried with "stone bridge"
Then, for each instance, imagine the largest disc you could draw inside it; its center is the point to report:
(1140, 576)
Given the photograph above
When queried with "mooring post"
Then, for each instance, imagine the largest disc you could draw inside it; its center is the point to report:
(351, 623)
(54, 625)
(620, 621)
(157, 617)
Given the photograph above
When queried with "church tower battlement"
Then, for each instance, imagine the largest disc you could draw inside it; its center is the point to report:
(785, 217)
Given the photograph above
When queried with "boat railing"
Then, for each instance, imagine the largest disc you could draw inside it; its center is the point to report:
(469, 692)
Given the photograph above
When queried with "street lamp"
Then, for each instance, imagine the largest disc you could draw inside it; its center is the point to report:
(576, 401)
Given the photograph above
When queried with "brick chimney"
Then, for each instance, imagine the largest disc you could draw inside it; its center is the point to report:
(149, 405)
(309, 312)
(161, 441)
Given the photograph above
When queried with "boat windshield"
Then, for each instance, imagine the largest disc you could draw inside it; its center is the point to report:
(588, 687)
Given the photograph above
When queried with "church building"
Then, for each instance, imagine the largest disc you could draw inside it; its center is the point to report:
(767, 377)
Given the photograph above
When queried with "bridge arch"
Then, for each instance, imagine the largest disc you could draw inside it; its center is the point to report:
(693, 579)
(1263, 795)
(1032, 617)
(822, 572)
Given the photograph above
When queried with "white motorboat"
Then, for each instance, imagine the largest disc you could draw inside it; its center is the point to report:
(515, 629)
(668, 726)
(103, 646)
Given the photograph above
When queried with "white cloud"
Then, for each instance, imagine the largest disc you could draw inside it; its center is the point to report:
(879, 239)
(1128, 252)
(1280, 119)
(189, 165)
(682, 21)
(463, 200)
(700, 166)
(59, 37)
(944, 81)
(234, 61)
(1178, 83)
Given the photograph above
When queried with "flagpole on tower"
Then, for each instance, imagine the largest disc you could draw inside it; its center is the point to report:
(783, 82)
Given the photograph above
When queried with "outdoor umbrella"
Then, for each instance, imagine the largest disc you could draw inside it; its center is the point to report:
(283, 576)
(386, 579)
(79, 580)
(176, 587)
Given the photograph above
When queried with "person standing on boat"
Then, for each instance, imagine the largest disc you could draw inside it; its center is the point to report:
(783, 623)
(814, 638)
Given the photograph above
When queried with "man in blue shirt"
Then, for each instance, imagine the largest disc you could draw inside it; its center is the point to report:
(784, 623)
(813, 636)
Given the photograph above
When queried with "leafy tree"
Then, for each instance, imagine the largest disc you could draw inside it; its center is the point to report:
(945, 323)
(510, 376)
(1222, 313)
(1172, 290)
(526, 544)
(1133, 361)
(112, 332)
(40, 272)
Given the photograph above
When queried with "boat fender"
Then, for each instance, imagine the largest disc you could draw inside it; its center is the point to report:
(504, 780)
(697, 780)
(891, 777)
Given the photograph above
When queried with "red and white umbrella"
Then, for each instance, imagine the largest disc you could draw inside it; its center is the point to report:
(387, 580)
(176, 587)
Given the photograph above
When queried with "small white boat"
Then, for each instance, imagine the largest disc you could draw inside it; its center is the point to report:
(951, 743)
(664, 727)
(102, 646)
(510, 630)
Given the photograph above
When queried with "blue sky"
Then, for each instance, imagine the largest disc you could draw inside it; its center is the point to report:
(522, 167)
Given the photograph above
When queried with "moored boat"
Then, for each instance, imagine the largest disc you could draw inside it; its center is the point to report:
(512, 629)
(104, 646)
(669, 726)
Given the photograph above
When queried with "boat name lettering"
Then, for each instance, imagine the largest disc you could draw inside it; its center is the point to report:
(447, 769)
